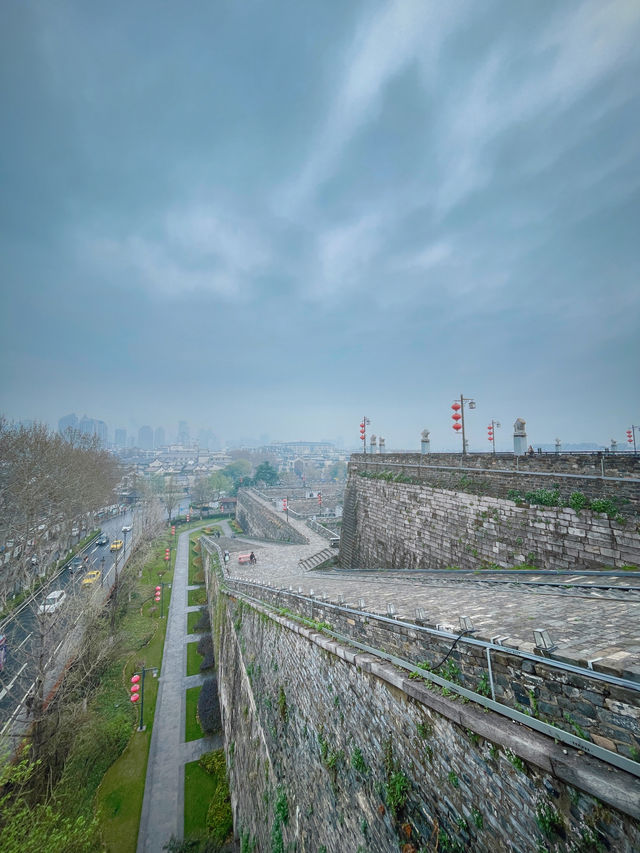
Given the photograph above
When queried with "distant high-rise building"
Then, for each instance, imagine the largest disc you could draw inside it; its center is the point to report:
(145, 438)
(158, 438)
(183, 433)
(100, 429)
(120, 438)
(91, 426)
(66, 423)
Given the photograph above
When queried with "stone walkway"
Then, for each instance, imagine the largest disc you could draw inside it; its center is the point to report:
(583, 628)
(163, 805)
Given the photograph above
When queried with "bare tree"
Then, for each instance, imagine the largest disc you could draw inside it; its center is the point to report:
(49, 485)
(168, 493)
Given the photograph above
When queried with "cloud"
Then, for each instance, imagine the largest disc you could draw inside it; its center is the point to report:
(382, 47)
(196, 249)
(343, 253)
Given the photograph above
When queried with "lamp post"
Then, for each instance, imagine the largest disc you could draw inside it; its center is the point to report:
(491, 435)
(137, 690)
(458, 417)
(159, 595)
(363, 432)
(631, 436)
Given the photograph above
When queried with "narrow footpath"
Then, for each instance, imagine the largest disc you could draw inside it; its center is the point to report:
(163, 804)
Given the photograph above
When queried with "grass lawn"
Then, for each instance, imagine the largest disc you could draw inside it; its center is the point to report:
(197, 596)
(120, 796)
(198, 791)
(193, 659)
(192, 728)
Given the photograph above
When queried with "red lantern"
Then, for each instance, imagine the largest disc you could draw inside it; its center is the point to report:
(135, 679)
(457, 427)
(630, 436)
(456, 417)
(456, 407)
(319, 499)
(135, 697)
(158, 588)
(135, 688)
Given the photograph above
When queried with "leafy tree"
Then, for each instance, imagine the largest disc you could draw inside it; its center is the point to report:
(220, 482)
(266, 473)
(337, 471)
(237, 470)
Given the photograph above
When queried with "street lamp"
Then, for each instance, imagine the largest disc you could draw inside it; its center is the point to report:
(490, 433)
(363, 432)
(458, 417)
(631, 436)
(137, 690)
(159, 595)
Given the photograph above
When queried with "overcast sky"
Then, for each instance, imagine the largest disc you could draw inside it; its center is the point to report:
(275, 217)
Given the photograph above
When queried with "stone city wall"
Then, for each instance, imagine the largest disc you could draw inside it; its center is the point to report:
(579, 703)
(588, 464)
(402, 525)
(332, 750)
(261, 522)
(488, 475)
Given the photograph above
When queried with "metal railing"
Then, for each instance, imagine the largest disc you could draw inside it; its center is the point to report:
(549, 729)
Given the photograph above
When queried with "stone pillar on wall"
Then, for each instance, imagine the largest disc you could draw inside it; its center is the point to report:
(373, 444)
(425, 444)
(381, 444)
(520, 437)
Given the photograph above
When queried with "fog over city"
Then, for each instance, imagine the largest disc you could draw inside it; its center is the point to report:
(271, 219)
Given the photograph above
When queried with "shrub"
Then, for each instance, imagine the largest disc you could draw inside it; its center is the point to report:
(205, 648)
(397, 791)
(578, 501)
(544, 497)
(209, 707)
(204, 623)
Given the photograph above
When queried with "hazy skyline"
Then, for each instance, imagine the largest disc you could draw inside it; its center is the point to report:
(277, 217)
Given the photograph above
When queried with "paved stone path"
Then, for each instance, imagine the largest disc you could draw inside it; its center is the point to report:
(582, 628)
(163, 805)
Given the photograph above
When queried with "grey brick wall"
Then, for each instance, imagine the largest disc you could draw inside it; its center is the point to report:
(401, 525)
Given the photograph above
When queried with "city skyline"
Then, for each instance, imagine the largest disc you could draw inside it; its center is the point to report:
(267, 232)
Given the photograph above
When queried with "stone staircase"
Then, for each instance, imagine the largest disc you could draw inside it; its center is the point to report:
(316, 560)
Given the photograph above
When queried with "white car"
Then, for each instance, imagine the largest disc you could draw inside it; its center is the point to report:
(53, 601)
(127, 528)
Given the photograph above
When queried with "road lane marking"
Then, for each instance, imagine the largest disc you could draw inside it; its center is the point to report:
(5, 690)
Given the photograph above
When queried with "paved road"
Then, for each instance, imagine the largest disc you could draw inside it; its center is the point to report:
(584, 628)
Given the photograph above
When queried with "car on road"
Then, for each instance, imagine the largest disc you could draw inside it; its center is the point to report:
(127, 528)
(91, 577)
(76, 565)
(103, 539)
(53, 601)
(116, 545)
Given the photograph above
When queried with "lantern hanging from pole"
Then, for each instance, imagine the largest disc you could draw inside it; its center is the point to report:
(134, 697)
(135, 679)
(456, 416)
(135, 688)
(456, 407)
(457, 427)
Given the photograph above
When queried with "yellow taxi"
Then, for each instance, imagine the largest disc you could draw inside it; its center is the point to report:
(116, 545)
(91, 577)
